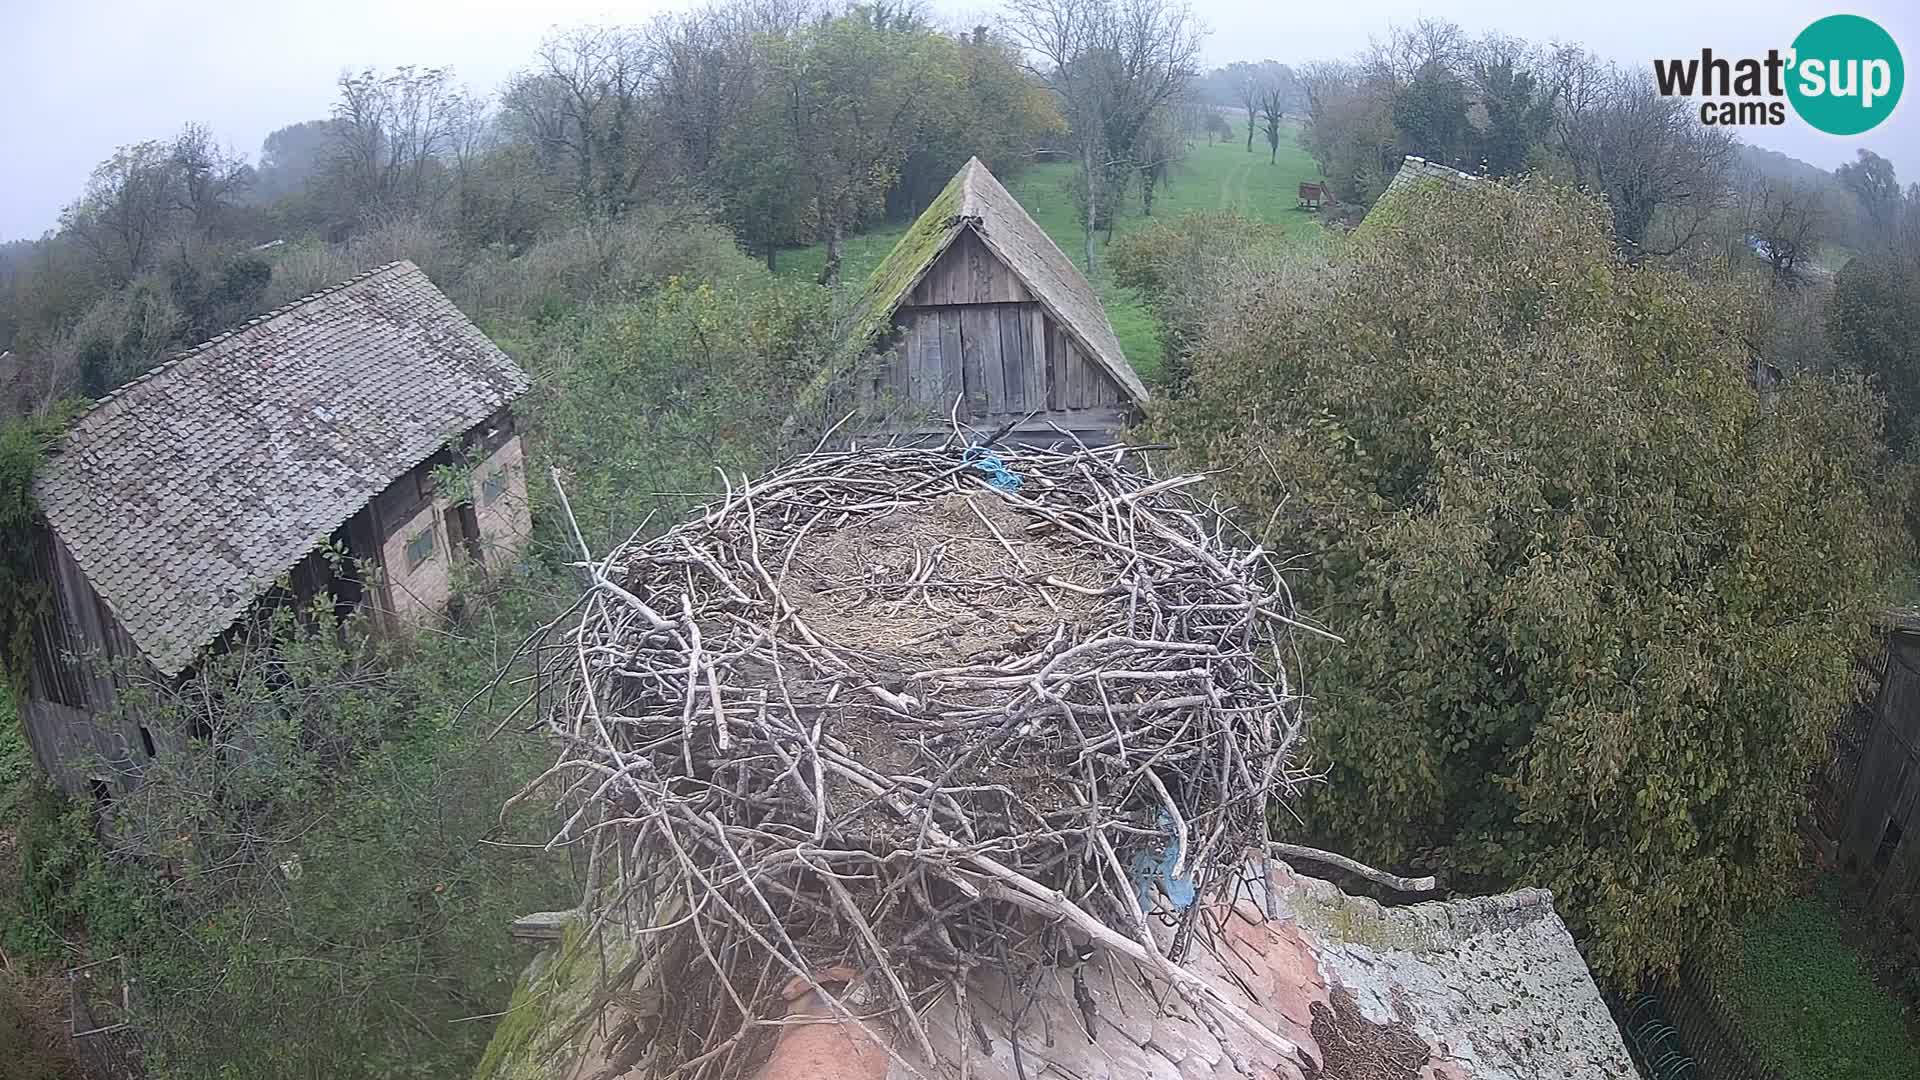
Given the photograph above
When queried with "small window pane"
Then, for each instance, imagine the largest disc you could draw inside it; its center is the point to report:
(492, 486)
(420, 548)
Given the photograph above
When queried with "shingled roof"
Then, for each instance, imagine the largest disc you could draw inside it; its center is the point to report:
(975, 200)
(1415, 169)
(184, 494)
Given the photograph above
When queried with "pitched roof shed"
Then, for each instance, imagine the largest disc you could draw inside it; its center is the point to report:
(975, 202)
(184, 494)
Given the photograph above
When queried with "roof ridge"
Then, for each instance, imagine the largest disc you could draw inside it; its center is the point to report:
(969, 194)
(174, 361)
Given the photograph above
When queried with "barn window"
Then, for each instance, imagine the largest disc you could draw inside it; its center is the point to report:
(492, 486)
(420, 548)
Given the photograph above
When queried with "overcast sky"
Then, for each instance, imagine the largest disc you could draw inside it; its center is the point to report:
(85, 76)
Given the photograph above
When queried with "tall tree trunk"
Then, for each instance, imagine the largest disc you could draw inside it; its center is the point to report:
(773, 251)
(830, 273)
(1093, 200)
(1249, 131)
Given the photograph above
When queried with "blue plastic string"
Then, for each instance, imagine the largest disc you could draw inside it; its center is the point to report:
(1150, 873)
(998, 475)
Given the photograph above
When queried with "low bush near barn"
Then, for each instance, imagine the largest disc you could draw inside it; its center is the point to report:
(314, 877)
(1601, 597)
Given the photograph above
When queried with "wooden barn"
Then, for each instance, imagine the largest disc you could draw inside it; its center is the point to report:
(181, 502)
(1877, 781)
(978, 316)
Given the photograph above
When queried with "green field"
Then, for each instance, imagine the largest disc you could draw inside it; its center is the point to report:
(1221, 176)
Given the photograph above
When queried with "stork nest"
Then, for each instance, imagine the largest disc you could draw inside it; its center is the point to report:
(870, 722)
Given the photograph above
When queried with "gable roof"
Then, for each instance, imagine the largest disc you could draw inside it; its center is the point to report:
(1413, 169)
(184, 494)
(975, 200)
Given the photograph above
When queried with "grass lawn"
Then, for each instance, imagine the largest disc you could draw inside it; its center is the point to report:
(1803, 996)
(1221, 176)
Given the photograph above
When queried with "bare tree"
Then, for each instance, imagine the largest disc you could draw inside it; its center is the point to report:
(705, 70)
(1246, 83)
(1646, 153)
(1787, 226)
(127, 210)
(1273, 103)
(390, 134)
(207, 178)
(1409, 50)
(580, 107)
(1114, 64)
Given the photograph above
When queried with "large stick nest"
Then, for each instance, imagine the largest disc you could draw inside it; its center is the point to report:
(869, 722)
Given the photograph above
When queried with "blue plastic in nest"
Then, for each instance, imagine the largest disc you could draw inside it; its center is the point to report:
(998, 475)
(1149, 872)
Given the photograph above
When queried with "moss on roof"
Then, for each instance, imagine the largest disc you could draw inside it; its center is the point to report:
(911, 257)
(1415, 174)
(537, 1038)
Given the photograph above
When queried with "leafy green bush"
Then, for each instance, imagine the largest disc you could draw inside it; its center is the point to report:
(1803, 998)
(1193, 264)
(306, 882)
(641, 403)
(604, 261)
(1601, 598)
(1874, 324)
(23, 596)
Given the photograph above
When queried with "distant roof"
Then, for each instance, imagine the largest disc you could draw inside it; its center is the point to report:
(1489, 988)
(975, 200)
(1414, 169)
(184, 494)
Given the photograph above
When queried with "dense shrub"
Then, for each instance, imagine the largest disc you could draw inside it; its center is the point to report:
(602, 261)
(643, 404)
(311, 264)
(308, 882)
(1191, 264)
(1601, 598)
(1874, 324)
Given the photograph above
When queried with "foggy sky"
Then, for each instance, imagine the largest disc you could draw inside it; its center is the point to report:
(85, 76)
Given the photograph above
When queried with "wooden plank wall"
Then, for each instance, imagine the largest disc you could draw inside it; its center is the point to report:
(972, 330)
(1011, 358)
(81, 656)
(1881, 839)
(968, 274)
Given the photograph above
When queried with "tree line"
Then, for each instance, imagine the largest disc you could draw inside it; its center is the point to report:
(788, 121)
(1502, 106)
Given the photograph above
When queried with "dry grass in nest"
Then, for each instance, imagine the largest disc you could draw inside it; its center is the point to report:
(869, 712)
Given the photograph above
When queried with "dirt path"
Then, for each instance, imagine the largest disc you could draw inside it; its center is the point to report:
(1233, 188)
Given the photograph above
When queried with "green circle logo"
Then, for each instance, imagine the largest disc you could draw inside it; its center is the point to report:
(1846, 75)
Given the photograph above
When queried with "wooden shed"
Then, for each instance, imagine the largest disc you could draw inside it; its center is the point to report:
(1879, 819)
(182, 501)
(978, 316)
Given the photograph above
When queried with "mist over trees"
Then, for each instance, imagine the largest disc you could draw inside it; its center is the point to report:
(1491, 527)
(788, 120)
(1115, 66)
